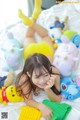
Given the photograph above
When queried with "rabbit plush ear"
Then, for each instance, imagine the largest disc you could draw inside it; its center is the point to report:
(56, 18)
(65, 24)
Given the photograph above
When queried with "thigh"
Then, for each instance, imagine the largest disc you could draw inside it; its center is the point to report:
(27, 41)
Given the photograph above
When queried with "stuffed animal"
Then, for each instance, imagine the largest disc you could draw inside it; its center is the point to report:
(76, 40)
(65, 58)
(60, 25)
(7, 80)
(69, 88)
(10, 94)
(69, 34)
(42, 47)
(56, 32)
(13, 53)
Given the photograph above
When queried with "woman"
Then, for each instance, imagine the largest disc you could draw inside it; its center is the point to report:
(38, 74)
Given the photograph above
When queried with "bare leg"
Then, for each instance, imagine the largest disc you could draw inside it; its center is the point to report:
(43, 33)
(29, 38)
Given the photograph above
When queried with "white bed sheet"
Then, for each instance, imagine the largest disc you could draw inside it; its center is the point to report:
(46, 19)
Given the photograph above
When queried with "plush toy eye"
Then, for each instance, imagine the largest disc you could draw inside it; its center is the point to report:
(63, 87)
(11, 88)
(65, 57)
(73, 81)
(13, 95)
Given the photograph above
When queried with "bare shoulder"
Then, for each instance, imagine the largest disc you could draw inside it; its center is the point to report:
(23, 79)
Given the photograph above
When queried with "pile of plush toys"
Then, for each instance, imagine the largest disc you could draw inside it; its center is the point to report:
(67, 44)
(8, 92)
(13, 60)
(59, 33)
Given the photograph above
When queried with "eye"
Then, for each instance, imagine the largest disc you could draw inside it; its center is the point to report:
(13, 95)
(73, 81)
(11, 88)
(46, 74)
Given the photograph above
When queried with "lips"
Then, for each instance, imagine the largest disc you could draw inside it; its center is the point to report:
(42, 85)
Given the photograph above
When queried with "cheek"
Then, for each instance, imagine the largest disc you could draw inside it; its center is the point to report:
(34, 81)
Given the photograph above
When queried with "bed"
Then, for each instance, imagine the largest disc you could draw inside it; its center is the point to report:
(45, 19)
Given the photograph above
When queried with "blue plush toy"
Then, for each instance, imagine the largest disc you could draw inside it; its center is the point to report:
(58, 24)
(69, 89)
(76, 40)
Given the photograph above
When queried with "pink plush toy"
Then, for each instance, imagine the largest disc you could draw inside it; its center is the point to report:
(65, 58)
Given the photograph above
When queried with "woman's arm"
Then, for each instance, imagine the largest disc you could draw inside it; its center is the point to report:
(52, 96)
(55, 71)
(54, 82)
(27, 91)
(45, 110)
(28, 97)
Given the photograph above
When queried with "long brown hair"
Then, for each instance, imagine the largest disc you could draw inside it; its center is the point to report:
(36, 61)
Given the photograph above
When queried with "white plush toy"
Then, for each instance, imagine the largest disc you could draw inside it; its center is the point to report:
(65, 58)
(13, 53)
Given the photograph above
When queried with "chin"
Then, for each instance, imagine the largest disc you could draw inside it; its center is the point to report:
(41, 86)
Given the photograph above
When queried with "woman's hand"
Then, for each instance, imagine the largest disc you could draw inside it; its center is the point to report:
(46, 111)
(51, 82)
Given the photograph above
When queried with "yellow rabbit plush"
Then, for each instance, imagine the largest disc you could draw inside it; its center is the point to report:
(10, 94)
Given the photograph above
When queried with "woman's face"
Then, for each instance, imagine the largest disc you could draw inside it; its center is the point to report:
(40, 77)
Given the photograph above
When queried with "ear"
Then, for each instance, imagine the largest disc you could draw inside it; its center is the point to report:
(66, 19)
(57, 18)
(65, 23)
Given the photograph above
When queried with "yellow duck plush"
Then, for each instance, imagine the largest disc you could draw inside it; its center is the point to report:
(10, 94)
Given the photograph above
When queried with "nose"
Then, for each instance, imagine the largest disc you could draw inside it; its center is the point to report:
(42, 80)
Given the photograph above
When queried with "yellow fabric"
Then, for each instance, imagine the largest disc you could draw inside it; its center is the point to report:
(29, 113)
(42, 47)
(37, 9)
(26, 20)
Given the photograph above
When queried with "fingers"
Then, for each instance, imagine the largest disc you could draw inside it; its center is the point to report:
(51, 82)
(48, 117)
(52, 114)
(53, 77)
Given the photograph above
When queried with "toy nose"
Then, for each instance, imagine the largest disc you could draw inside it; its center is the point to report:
(65, 58)
(11, 50)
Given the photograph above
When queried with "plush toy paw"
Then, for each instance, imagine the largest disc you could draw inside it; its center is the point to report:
(9, 80)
